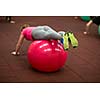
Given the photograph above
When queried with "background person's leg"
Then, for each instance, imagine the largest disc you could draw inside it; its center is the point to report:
(96, 20)
(8, 18)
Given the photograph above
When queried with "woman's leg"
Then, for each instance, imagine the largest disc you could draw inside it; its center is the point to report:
(45, 32)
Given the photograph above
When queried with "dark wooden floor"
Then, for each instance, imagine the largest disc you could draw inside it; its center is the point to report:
(83, 64)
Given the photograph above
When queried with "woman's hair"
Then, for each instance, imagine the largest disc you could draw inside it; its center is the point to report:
(24, 26)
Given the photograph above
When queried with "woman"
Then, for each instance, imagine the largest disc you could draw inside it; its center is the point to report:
(35, 33)
(44, 33)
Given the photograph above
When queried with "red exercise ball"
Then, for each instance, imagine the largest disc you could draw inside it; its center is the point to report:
(46, 55)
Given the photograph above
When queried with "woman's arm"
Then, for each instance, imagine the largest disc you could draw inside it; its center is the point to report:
(18, 45)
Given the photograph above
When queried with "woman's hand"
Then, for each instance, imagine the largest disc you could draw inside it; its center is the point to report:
(15, 54)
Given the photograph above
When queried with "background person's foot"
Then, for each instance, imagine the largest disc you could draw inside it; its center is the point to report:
(75, 17)
(85, 33)
(12, 22)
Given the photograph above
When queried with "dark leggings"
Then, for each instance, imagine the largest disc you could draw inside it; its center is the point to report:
(96, 19)
(8, 18)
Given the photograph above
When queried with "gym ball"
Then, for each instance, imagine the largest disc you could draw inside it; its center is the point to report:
(47, 55)
(99, 29)
(86, 18)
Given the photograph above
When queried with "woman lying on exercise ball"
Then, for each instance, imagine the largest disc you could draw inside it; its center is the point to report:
(43, 33)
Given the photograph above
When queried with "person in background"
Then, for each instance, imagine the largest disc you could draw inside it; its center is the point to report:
(9, 19)
(95, 20)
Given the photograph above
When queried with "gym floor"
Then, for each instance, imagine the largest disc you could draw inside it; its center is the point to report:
(83, 64)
